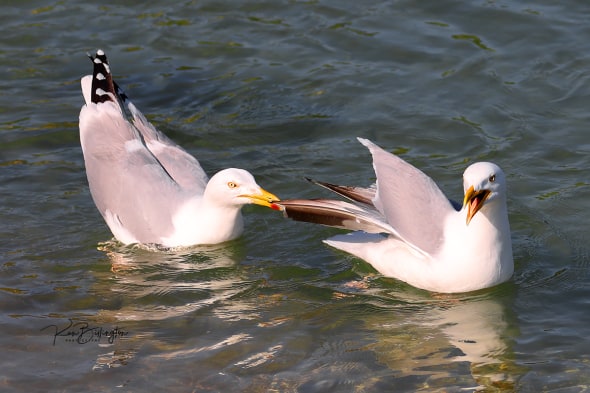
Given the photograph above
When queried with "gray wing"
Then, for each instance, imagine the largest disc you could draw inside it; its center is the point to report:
(180, 165)
(411, 202)
(333, 213)
(126, 181)
(129, 185)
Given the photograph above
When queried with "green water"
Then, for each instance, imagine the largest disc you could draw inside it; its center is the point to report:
(283, 88)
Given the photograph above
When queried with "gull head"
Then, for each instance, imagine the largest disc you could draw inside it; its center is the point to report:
(483, 183)
(236, 187)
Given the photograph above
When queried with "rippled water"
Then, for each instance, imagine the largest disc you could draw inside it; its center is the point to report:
(282, 88)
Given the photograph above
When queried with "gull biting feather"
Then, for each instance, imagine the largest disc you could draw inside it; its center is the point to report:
(409, 230)
(147, 188)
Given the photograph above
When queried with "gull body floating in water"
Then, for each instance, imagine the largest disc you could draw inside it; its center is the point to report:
(147, 188)
(408, 229)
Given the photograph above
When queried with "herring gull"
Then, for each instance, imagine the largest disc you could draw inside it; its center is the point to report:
(148, 189)
(407, 229)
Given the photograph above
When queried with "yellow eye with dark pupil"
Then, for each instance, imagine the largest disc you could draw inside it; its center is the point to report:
(492, 178)
(231, 184)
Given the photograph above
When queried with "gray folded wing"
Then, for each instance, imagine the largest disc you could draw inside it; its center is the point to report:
(180, 165)
(138, 177)
(126, 180)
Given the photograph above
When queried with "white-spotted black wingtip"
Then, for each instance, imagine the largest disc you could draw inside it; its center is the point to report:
(103, 88)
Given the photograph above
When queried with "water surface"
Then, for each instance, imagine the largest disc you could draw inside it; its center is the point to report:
(283, 88)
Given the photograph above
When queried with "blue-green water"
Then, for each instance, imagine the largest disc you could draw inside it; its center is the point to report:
(282, 88)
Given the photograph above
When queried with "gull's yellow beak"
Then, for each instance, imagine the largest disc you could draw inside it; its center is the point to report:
(265, 198)
(474, 201)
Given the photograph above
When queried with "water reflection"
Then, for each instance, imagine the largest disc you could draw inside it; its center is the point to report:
(453, 341)
(479, 329)
(158, 295)
(147, 285)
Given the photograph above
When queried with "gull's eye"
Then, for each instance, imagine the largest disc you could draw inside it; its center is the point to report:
(231, 184)
(492, 178)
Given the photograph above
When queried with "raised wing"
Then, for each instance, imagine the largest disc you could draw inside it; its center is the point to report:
(182, 167)
(132, 190)
(411, 202)
(129, 187)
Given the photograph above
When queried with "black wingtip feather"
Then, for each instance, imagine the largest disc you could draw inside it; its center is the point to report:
(356, 194)
(330, 213)
(305, 211)
(102, 80)
(104, 88)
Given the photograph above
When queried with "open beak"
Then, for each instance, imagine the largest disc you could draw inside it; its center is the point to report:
(265, 198)
(474, 201)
